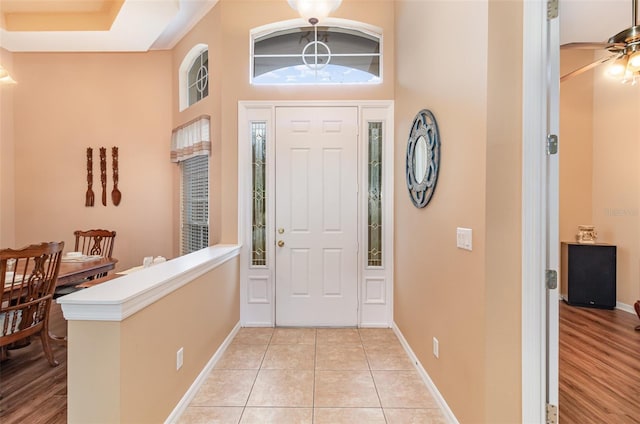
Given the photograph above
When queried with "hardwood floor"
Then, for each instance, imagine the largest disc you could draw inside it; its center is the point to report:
(599, 366)
(599, 372)
(31, 391)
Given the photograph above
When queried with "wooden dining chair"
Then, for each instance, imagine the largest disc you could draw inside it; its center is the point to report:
(28, 278)
(90, 243)
(95, 242)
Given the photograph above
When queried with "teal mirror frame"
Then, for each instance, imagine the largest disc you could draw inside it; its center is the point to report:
(424, 125)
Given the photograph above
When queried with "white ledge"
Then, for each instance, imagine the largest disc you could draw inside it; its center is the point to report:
(122, 297)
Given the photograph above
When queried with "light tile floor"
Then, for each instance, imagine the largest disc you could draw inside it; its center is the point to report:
(315, 376)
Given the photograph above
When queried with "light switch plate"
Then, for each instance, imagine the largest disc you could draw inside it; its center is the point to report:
(464, 238)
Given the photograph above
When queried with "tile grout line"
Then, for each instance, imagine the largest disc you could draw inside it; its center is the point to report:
(246, 402)
(372, 377)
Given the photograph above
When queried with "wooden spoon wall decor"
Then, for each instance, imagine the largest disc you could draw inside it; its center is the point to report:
(103, 174)
(89, 197)
(116, 196)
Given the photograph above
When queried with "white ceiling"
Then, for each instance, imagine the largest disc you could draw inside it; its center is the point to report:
(145, 25)
(140, 25)
(593, 20)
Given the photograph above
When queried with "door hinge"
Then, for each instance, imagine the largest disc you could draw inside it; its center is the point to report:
(552, 414)
(552, 9)
(551, 278)
(552, 144)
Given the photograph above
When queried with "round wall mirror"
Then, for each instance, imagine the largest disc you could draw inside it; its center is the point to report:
(420, 159)
(423, 158)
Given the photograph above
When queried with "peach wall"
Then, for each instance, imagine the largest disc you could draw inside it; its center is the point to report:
(503, 291)
(100, 340)
(616, 177)
(431, 274)
(576, 145)
(68, 102)
(470, 301)
(231, 21)
(138, 380)
(7, 152)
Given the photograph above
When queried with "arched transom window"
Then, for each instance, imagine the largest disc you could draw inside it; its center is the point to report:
(199, 78)
(330, 54)
(194, 76)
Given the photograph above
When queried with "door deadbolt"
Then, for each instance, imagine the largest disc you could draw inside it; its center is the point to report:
(280, 230)
(280, 243)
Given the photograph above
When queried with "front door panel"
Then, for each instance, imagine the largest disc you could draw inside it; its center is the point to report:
(316, 216)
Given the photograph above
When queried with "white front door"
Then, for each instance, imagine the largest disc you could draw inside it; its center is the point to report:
(316, 216)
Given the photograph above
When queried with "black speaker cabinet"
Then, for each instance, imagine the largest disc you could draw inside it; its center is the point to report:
(589, 275)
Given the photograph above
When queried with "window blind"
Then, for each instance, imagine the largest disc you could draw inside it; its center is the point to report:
(195, 204)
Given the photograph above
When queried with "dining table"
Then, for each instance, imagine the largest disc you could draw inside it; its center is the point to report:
(77, 270)
(74, 271)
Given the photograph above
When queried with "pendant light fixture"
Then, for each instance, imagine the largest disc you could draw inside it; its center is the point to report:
(314, 11)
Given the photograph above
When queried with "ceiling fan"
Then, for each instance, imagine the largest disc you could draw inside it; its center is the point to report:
(624, 48)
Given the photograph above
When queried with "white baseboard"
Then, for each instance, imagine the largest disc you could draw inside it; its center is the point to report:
(200, 379)
(257, 324)
(448, 413)
(374, 325)
(625, 307)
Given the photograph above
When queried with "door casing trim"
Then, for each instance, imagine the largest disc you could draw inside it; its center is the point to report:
(257, 284)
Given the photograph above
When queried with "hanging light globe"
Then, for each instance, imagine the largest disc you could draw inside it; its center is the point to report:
(314, 10)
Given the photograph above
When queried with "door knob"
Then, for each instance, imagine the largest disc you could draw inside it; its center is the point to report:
(280, 243)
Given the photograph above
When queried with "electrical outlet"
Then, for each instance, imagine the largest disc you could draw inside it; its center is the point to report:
(179, 358)
(436, 348)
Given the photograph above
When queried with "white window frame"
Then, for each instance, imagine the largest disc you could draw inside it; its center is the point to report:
(368, 29)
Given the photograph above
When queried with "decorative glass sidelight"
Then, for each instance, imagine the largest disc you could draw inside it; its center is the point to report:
(258, 213)
(374, 245)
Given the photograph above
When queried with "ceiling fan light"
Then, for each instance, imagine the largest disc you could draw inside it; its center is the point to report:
(619, 67)
(318, 9)
(634, 61)
(628, 77)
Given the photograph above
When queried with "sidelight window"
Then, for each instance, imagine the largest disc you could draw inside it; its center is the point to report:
(374, 168)
(259, 215)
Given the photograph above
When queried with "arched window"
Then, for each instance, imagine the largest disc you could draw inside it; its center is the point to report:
(194, 76)
(339, 52)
